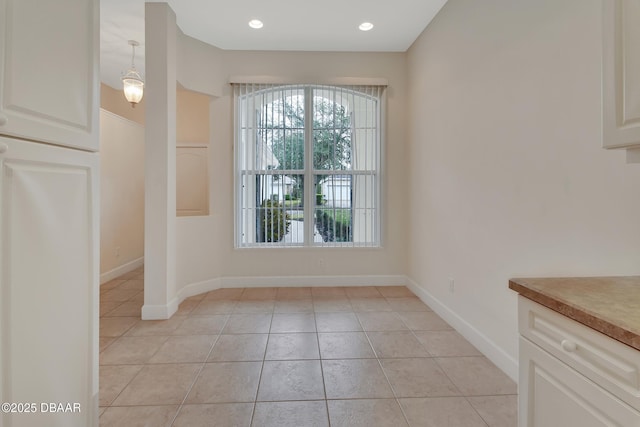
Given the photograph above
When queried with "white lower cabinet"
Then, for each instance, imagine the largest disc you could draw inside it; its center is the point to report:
(591, 382)
(49, 265)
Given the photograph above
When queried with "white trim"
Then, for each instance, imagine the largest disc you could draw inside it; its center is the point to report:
(298, 281)
(124, 119)
(120, 270)
(502, 360)
(160, 312)
(353, 81)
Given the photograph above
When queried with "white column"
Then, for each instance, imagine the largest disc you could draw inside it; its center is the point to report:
(160, 163)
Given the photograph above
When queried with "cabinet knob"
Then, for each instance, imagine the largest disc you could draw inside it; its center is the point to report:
(568, 346)
(3, 148)
(3, 119)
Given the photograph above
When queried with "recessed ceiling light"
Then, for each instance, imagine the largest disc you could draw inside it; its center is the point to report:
(365, 26)
(256, 23)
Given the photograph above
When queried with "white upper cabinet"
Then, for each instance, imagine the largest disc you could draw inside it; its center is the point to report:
(621, 74)
(49, 71)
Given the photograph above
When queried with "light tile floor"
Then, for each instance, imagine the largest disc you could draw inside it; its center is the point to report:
(353, 356)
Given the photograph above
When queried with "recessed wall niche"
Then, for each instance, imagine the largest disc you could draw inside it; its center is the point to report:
(192, 153)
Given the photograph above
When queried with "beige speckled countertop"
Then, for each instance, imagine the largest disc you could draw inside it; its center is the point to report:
(610, 305)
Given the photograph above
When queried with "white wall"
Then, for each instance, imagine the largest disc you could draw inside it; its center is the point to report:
(121, 195)
(507, 174)
(206, 245)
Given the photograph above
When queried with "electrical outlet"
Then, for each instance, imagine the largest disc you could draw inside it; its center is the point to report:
(320, 262)
(117, 251)
(452, 284)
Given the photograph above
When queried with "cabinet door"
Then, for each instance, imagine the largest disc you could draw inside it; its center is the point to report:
(554, 395)
(48, 283)
(621, 74)
(49, 71)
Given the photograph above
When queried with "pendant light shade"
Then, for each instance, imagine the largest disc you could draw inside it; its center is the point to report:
(132, 81)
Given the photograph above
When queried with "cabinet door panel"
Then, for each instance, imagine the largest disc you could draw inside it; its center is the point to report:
(49, 282)
(49, 71)
(554, 395)
(621, 73)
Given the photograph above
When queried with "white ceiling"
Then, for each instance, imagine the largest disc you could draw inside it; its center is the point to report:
(307, 25)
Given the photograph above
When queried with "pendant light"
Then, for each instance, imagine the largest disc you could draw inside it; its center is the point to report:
(132, 82)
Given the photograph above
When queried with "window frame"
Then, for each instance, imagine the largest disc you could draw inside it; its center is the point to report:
(309, 172)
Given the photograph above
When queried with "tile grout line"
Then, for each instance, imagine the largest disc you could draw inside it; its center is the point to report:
(264, 355)
(386, 377)
(197, 376)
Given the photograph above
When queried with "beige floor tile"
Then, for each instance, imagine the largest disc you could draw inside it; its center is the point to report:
(258, 293)
(108, 306)
(381, 321)
(187, 306)
(291, 414)
(224, 294)
(355, 379)
(395, 291)
(202, 325)
(418, 378)
(345, 345)
(424, 321)
(407, 304)
(476, 376)
(184, 349)
(337, 322)
(139, 297)
(446, 343)
(370, 304)
(331, 305)
(396, 344)
(131, 350)
(113, 379)
(366, 413)
(293, 322)
(284, 294)
(111, 284)
(497, 411)
(440, 412)
(296, 346)
(159, 385)
(118, 294)
(132, 285)
(328, 291)
(248, 324)
(218, 414)
(138, 416)
(226, 382)
(291, 380)
(116, 326)
(127, 309)
(362, 292)
(105, 342)
(155, 327)
(254, 306)
(214, 306)
(239, 347)
(294, 306)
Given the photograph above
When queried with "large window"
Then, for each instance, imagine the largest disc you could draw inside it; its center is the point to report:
(307, 165)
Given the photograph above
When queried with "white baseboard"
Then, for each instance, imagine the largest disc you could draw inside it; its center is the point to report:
(120, 270)
(299, 281)
(160, 312)
(502, 360)
(156, 312)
